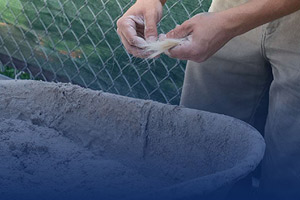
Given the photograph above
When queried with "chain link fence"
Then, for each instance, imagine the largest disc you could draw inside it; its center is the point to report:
(76, 41)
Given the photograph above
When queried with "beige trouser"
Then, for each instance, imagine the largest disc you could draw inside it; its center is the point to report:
(235, 79)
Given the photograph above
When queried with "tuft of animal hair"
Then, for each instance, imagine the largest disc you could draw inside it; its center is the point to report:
(158, 47)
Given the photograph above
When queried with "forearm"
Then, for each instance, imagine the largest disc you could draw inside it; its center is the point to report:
(254, 13)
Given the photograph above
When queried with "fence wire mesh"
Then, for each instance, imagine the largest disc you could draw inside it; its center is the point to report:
(76, 41)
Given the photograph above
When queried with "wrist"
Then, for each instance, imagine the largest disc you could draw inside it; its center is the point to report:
(231, 24)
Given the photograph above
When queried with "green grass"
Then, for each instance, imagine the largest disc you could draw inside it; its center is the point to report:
(75, 39)
(11, 72)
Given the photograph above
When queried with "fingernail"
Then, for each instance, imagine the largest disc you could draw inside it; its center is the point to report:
(151, 39)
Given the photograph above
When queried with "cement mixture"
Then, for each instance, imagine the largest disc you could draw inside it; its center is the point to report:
(60, 141)
(40, 160)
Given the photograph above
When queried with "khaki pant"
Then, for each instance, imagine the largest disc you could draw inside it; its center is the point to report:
(234, 81)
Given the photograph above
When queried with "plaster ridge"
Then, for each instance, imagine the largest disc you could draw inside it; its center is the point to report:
(146, 110)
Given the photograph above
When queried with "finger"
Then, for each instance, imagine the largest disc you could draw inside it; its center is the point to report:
(150, 26)
(127, 27)
(180, 31)
(162, 37)
(181, 51)
(137, 52)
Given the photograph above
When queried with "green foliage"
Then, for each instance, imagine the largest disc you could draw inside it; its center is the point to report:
(11, 72)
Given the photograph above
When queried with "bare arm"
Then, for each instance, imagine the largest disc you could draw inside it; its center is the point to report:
(257, 12)
(208, 32)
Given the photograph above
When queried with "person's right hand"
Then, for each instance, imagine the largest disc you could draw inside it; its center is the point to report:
(139, 26)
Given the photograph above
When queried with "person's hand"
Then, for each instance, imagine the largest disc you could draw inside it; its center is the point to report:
(205, 33)
(138, 25)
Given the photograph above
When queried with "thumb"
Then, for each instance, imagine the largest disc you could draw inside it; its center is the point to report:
(180, 31)
(150, 27)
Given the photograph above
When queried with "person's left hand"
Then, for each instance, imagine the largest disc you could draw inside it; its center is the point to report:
(206, 34)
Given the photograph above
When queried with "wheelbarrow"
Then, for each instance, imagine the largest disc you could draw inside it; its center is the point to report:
(156, 151)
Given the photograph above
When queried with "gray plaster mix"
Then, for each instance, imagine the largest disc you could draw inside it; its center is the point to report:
(66, 141)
